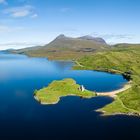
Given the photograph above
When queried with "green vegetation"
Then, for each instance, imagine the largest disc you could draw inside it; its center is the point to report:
(118, 60)
(123, 104)
(66, 48)
(58, 89)
(93, 55)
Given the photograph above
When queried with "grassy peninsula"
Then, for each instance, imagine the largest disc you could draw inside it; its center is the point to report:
(58, 89)
(123, 60)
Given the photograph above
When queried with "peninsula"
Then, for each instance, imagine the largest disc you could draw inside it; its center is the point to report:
(62, 88)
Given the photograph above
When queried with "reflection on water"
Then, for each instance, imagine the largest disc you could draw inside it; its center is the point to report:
(20, 67)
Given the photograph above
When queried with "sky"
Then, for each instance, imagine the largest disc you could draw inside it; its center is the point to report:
(26, 23)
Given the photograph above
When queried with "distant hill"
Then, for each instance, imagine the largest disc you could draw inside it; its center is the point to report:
(83, 44)
(66, 47)
(126, 45)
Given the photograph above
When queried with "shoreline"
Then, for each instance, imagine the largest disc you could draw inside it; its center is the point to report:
(111, 94)
(54, 103)
(114, 93)
(104, 114)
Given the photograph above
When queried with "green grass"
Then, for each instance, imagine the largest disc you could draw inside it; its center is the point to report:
(58, 89)
(118, 60)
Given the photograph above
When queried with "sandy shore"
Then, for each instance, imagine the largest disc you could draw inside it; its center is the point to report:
(115, 92)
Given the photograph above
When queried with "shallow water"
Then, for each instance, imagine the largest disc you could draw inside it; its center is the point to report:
(21, 117)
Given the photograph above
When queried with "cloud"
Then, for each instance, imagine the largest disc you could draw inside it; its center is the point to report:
(3, 28)
(7, 29)
(118, 36)
(3, 2)
(34, 16)
(18, 12)
(114, 36)
(19, 45)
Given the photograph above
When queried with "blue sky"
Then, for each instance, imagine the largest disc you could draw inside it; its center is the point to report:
(32, 22)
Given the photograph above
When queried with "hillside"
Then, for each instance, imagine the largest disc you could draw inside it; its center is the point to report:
(66, 48)
(125, 60)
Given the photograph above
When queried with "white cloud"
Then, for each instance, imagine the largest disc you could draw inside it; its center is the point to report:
(3, 2)
(19, 45)
(34, 16)
(7, 29)
(18, 12)
(113, 36)
(21, 13)
(3, 28)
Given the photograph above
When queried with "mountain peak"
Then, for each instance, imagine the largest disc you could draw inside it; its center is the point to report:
(61, 36)
(87, 37)
(96, 39)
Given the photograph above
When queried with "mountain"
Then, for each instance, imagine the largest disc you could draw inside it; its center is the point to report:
(67, 47)
(87, 37)
(85, 43)
(95, 39)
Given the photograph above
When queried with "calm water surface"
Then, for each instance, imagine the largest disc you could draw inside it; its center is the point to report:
(21, 117)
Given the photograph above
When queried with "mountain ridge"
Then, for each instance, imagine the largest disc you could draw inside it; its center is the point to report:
(66, 47)
(86, 37)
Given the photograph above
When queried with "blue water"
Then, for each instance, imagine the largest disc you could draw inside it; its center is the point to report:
(21, 117)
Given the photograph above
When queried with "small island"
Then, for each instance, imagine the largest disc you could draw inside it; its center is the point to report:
(62, 88)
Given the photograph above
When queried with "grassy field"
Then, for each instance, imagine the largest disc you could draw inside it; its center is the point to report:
(118, 60)
(58, 89)
(57, 55)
